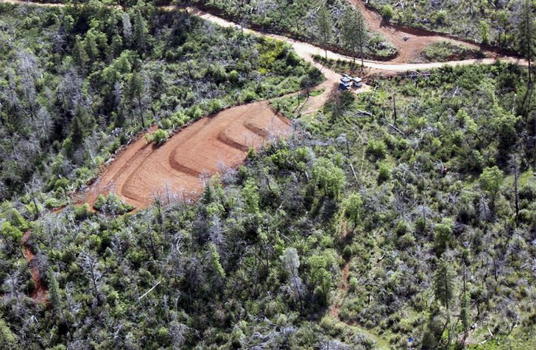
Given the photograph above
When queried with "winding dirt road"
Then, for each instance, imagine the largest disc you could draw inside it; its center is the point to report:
(408, 50)
(409, 43)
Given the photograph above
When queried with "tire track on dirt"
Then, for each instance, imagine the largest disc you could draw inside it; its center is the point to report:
(207, 146)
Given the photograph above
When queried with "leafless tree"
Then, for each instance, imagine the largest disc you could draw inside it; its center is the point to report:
(291, 262)
(91, 267)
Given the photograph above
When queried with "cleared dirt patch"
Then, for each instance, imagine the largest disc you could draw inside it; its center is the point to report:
(143, 172)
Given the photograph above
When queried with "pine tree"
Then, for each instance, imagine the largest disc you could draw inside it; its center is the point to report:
(80, 54)
(91, 45)
(54, 290)
(443, 289)
(527, 35)
(140, 31)
(136, 89)
(527, 46)
(443, 284)
(324, 26)
(354, 33)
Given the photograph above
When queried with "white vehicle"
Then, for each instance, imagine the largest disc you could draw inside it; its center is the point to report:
(347, 82)
(357, 82)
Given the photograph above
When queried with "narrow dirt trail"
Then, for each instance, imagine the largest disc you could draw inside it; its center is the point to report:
(39, 293)
(342, 291)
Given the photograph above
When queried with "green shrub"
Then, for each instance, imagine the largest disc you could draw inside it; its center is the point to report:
(384, 172)
(61, 183)
(377, 149)
(159, 137)
(82, 212)
(387, 12)
(112, 204)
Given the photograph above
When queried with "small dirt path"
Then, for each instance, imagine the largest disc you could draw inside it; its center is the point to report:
(39, 293)
(342, 291)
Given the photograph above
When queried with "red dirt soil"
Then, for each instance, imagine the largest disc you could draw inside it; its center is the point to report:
(143, 172)
(40, 293)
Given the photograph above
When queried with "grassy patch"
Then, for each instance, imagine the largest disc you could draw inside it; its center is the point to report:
(443, 51)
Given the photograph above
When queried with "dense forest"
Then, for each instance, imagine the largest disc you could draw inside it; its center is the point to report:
(403, 217)
(438, 217)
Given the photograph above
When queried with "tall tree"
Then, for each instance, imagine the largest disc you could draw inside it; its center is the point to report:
(443, 288)
(140, 31)
(527, 34)
(324, 27)
(79, 52)
(515, 168)
(54, 290)
(491, 181)
(354, 33)
(527, 47)
(137, 90)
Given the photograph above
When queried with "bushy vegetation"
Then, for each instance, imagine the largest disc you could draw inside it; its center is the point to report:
(444, 51)
(77, 83)
(445, 228)
(488, 22)
(246, 266)
(340, 66)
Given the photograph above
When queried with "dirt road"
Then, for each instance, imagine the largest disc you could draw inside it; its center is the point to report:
(306, 51)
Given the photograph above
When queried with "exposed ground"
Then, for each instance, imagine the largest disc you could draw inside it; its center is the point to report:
(409, 50)
(144, 171)
(39, 293)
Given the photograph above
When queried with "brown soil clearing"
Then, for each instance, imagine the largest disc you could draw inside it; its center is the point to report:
(143, 172)
(342, 291)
